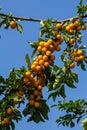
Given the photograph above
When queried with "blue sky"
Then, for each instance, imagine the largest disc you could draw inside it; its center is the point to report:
(13, 47)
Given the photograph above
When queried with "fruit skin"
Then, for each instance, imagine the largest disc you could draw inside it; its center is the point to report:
(31, 102)
(72, 65)
(79, 52)
(81, 57)
(37, 105)
(71, 41)
(6, 121)
(36, 93)
(59, 25)
(9, 111)
(13, 24)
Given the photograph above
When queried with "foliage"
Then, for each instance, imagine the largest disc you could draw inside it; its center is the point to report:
(74, 110)
(25, 85)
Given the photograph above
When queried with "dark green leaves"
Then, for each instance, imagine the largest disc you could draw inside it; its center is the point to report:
(27, 58)
(37, 115)
(75, 110)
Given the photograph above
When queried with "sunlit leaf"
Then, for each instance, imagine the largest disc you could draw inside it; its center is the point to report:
(19, 28)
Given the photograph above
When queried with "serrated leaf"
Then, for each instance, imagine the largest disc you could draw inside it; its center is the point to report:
(28, 61)
(19, 28)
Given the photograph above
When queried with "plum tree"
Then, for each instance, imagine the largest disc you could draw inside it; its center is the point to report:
(28, 83)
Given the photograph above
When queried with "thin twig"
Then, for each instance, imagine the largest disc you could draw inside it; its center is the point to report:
(39, 20)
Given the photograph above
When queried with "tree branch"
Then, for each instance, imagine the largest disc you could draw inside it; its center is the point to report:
(39, 20)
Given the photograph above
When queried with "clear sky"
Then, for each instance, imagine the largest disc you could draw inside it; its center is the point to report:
(13, 47)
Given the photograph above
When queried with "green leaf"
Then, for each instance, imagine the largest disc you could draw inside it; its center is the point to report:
(74, 76)
(33, 53)
(28, 61)
(19, 28)
(1, 80)
(83, 66)
(34, 44)
(79, 119)
(81, 2)
(83, 47)
(62, 91)
(56, 68)
(44, 109)
(53, 95)
(85, 59)
(12, 125)
(72, 124)
(7, 127)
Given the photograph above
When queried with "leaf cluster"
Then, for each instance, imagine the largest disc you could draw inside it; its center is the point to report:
(74, 110)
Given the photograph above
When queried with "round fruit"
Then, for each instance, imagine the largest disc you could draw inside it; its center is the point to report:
(45, 57)
(48, 53)
(27, 74)
(39, 87)
(38, 98)
(31, 96)
(71, 26)
(46, 64)
(39, 57)
(59, 25)
(31, 102)
(58, 36)
(38, 68)
(74, 53)
(6, 121)
(44, 49)
(42, 43)
(12, 24)
(76, 23)
(81, 57)
(39, 48)
(71, 41)
(9, 111)
(79, 52)
(67, 28)
(77, 59)
(72, 65)
(51, 48)
(33, 67)
(50, 41)
(36, 92)
(36, 104)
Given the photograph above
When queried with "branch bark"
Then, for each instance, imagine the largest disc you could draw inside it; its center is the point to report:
(39, 20)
